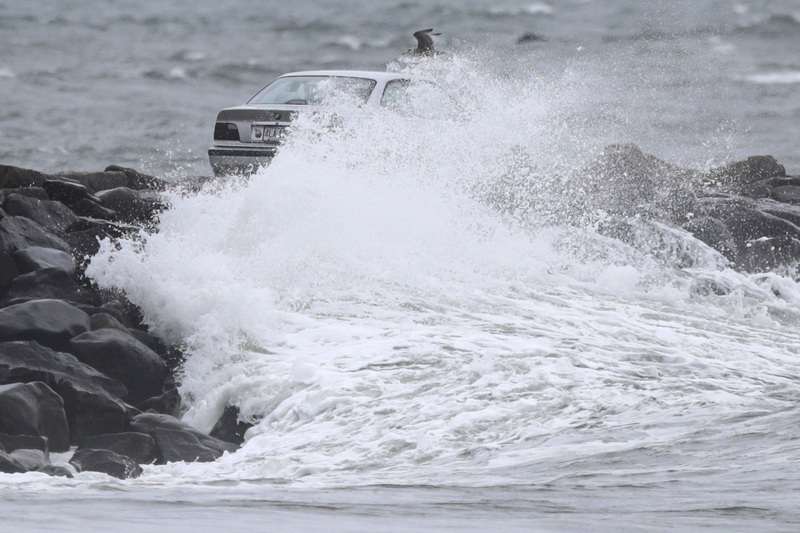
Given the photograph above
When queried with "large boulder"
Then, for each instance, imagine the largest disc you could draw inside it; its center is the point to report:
(67, 192)
(48, 283)
(31, 459)
(789, 194)
(96, 181)
(38, 258)
(92, 401)
(177, 441)
(84, 236)
(34, 409)
(13, 177)
(9, 465)
(168, 402)
(30, 192)
(49, 322)
(90, 209)
(105, 461)
(117, 354)
(130, 205)
(8, 270)
(55, 217)
(230, 427)
(622, 179)
(137, 180)
(140, 447)
(17, 233)
(763, 241)
(749, 177)
(23, 442)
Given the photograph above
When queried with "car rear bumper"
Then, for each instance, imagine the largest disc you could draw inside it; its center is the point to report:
(239, 160)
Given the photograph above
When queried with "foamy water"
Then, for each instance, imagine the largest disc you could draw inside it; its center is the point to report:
(423, 344)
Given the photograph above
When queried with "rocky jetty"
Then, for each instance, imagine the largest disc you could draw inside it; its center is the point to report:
(748, 211)
(78, 369)
(80, 372)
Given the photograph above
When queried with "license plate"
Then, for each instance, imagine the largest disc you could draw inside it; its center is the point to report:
(267, 133)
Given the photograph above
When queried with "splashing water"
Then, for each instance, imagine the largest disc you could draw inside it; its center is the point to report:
(387, 304)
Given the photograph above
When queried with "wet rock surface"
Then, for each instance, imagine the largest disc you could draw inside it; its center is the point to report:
(77, 366)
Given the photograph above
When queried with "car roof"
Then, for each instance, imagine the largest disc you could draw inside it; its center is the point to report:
(376, 75)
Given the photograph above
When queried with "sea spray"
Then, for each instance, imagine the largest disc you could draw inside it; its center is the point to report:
(388, 305)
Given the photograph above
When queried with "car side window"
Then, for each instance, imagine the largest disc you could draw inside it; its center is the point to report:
(395, 96)
(419, 98)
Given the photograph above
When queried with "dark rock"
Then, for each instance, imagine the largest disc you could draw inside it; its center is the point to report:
(714, 233)
(67, 192)
(17, 233)
(168, 402)
(789, 194)
(106, 321)
(151, 341)
(49, 322)
(13, 177)
(48, 283)
(25, 361)
(23, 442)
(787, 212)
(30, 192)
(92, 412)
(107, 462)
(116, 309)
(130, 205)
(88, 208)
(38, 258)
(118, 355)
(229, 428)
(177, 441)
(86, 243)
(9, 465)
(96, 181)
(762, 241)
(84, 235)
(30, 459)
(748, 177)
(8, 270)
(55, 217)
(622, 179)
(138, 446)
(137, 180)
(91, 400)
(56, 470)
(34, 409)
(530, 37)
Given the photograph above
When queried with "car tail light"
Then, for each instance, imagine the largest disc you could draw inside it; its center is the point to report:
(226, 131)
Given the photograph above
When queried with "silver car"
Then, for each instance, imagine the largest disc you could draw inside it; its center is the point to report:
(248, 136)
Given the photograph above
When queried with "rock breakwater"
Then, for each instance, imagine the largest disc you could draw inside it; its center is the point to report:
(78, 369)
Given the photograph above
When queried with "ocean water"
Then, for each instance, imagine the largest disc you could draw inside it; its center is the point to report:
(417, 348)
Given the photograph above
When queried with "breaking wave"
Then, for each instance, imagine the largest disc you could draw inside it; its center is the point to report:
(452, 299)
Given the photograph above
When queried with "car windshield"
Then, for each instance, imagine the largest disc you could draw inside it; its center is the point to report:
(313, 90)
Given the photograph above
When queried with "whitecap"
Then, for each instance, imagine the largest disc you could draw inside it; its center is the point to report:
(539, 8)
(776, 78)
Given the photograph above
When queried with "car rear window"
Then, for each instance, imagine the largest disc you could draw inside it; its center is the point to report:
(313, 90)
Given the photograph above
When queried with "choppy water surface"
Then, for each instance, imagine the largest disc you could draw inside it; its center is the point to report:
(417, 352)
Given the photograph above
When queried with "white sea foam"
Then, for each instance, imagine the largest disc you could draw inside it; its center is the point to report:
(776, 78)
(538, 8)
(380, 319)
